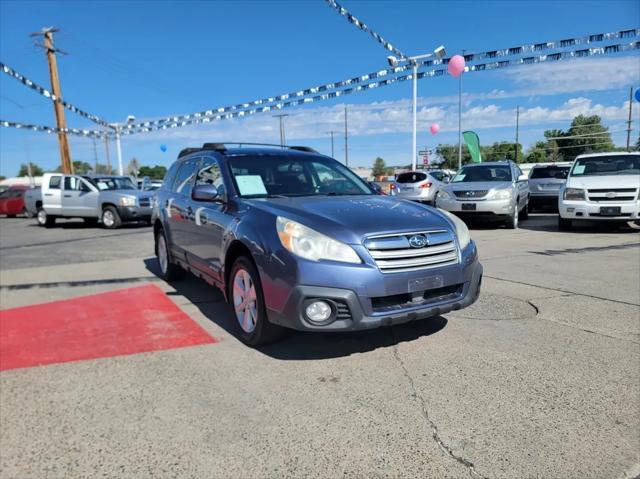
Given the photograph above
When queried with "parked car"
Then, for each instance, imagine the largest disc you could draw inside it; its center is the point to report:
(12, 201)
(491, 191)
(601, 187)
(545, 182)
(267, 226)
(376, 188)
(106, 198)
(420, 186)
(147, 184)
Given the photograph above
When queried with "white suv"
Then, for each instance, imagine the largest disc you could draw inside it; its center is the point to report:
(601, 187)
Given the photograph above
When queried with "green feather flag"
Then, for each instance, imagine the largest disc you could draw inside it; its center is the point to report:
(473, 143)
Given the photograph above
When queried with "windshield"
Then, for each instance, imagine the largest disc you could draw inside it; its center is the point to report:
(271, 175)
(483, 173)
(411, 177)
(607, 165)
(557, 172)
(113, 183)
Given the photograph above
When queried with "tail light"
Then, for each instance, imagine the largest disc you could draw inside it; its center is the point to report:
(392, 186)
(426, 185)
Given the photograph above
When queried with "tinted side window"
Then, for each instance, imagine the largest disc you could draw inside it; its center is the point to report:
(54, 182)
(167, 182)
(209, 174)
(184, 179)
(71, 183)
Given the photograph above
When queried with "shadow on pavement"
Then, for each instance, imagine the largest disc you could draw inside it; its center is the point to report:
(299, 345)
(81, 225)
(549, 222)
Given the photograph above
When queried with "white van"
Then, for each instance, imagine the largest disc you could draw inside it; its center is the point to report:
(601, 187)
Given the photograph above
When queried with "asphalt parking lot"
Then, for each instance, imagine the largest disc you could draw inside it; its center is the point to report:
(540, 378)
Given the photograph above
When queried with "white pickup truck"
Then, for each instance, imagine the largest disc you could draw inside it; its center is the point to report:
(601, 187)
(111, 200)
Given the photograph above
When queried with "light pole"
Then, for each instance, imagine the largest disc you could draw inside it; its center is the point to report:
(282, 137)
(116, 127)
(393, 61)
(331, 133)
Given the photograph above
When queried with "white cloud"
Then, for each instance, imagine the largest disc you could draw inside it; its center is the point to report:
(588, 74)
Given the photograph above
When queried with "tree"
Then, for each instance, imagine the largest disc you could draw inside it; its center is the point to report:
(501, 151)
(35, 170)
(379, 167)
(79, 168)
(585, 135)
(155, 173)
(104, 170)
(448, 155)
(133, 167)
(2, 177)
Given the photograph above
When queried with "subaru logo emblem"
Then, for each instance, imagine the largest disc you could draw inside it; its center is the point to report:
(418, 241)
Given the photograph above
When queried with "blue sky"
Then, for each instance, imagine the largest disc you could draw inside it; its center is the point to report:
(153, 59)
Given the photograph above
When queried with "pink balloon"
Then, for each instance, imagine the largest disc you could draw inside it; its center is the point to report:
(435, 128)
(456, 66)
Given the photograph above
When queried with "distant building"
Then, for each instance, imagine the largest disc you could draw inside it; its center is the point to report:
(22, 180)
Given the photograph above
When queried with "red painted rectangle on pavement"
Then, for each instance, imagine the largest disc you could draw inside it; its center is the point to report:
(128, 321)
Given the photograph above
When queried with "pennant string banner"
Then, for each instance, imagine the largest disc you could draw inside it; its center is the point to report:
(363, 83)
(47, 94)
(211, 115)
(362, 26)
(291, 97)
(49, 129)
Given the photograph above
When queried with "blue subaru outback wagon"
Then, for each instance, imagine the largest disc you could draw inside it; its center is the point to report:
(294, 239)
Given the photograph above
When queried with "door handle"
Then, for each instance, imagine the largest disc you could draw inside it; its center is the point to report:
(67, 196)
(48, 194)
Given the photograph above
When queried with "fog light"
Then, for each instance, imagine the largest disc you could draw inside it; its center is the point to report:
(318, 311)
(570, 210)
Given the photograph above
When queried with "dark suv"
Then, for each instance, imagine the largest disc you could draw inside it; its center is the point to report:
(295, 239)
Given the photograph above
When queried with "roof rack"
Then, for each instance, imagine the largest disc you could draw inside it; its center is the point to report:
(222, 147)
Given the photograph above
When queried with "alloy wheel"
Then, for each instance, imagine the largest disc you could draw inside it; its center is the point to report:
(245, 300)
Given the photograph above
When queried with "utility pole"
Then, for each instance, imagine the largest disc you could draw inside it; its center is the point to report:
(65, 153)
(106, 147)
(629, 121)
(95, 155)
(346, 138)
(460, 117)
(331, 133)
(517, 126)
(281, 117)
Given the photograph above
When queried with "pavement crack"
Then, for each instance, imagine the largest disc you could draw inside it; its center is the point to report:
(425, 413)
(573, 326)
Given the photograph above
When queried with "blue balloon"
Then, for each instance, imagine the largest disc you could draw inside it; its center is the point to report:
(637, 95)
(163, 148)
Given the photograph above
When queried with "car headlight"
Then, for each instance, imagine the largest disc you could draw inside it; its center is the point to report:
(310, 244)
(502, 194)
(462, 232)
(444, 195)
(127, 201)
(574, 194)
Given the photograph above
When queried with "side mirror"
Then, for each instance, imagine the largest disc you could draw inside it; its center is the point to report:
(523, 178)
(206, 193)
(446, 179)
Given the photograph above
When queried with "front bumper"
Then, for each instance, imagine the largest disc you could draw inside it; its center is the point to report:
(588, 210)
(500, 208)
(362, 306)
(134, 213)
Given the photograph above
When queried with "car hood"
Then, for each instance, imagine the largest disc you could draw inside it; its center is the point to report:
(350, 218)
(136, 193)
(479, 185)
(604, 181)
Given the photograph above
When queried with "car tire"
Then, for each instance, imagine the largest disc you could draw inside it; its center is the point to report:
(524, 213)
(245, 295)
(169, 271)
(44, 219)
(512, 220)
(564, 224)
(110, 218)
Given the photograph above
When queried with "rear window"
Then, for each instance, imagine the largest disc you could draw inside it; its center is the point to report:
(54, 182)
(557, 172)
(412, 177)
